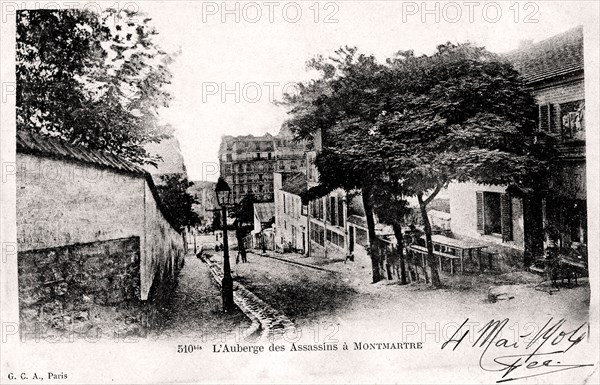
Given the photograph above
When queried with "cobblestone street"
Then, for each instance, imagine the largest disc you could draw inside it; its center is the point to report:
(196, 308)
(278, 293)
(340, 296)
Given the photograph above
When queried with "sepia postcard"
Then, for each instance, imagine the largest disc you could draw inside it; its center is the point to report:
(283, 192)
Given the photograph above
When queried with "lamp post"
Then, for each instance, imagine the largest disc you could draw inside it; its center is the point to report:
(223, 192)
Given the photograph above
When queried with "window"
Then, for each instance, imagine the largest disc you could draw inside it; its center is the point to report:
(572, 120)
(494, 214)
(283, 195)
(321, 213)
(317, 234)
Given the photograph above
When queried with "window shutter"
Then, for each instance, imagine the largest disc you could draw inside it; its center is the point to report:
(331, 210)
(506, 215)
(480, 222)
(545, 117)
(340, 219)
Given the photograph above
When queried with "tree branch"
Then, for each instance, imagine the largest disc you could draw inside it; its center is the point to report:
(433, 194)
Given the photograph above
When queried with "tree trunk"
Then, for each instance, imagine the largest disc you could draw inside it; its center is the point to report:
(431, 262)
(400, 239)
(374, 253)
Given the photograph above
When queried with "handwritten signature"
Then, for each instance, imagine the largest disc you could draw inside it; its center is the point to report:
(530, 359)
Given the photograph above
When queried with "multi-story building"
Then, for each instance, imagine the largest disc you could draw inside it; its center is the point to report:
(248, 162)
(554, 69)
(326, 215)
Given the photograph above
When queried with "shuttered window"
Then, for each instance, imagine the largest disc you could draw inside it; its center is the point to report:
(479, 198)
(494, 214)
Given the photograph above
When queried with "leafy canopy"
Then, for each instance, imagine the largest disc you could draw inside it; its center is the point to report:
(92, 80)
(177, 201)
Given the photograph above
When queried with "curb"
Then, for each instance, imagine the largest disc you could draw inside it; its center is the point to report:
(298, 263)
(266, 321)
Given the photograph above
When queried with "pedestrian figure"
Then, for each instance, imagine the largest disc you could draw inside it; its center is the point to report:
(237, 258)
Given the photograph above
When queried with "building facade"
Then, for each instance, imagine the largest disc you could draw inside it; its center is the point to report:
(263, 232)
(248, 162)
(171, 162)
(327, 215)
(290, 214)
(554, 69)
(204, 192)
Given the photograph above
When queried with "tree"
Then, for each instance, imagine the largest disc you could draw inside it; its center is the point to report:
(411, 127)
(92, 80)
(392, 208)
(176, 200)
(461, 114)
(341, 105)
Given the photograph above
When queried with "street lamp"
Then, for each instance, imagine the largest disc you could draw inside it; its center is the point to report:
(223, 192)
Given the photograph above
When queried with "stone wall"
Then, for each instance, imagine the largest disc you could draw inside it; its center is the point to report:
(62, 202)
(84, 290)
(162, 250)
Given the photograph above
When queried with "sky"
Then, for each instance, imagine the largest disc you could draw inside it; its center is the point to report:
(235, 59)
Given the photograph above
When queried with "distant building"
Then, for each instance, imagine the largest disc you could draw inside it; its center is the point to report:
(172, 161)
(204, 192)
(290, 214)
(264, 218)
(554, 68)
(248, 162)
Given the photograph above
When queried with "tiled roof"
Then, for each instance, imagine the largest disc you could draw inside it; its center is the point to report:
(264, 212)
(31, 143)
(556, 56)
(294, 183)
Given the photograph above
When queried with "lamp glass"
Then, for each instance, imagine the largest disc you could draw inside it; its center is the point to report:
(223, 192)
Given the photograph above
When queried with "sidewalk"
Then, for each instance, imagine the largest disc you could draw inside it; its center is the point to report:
(196, 308)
